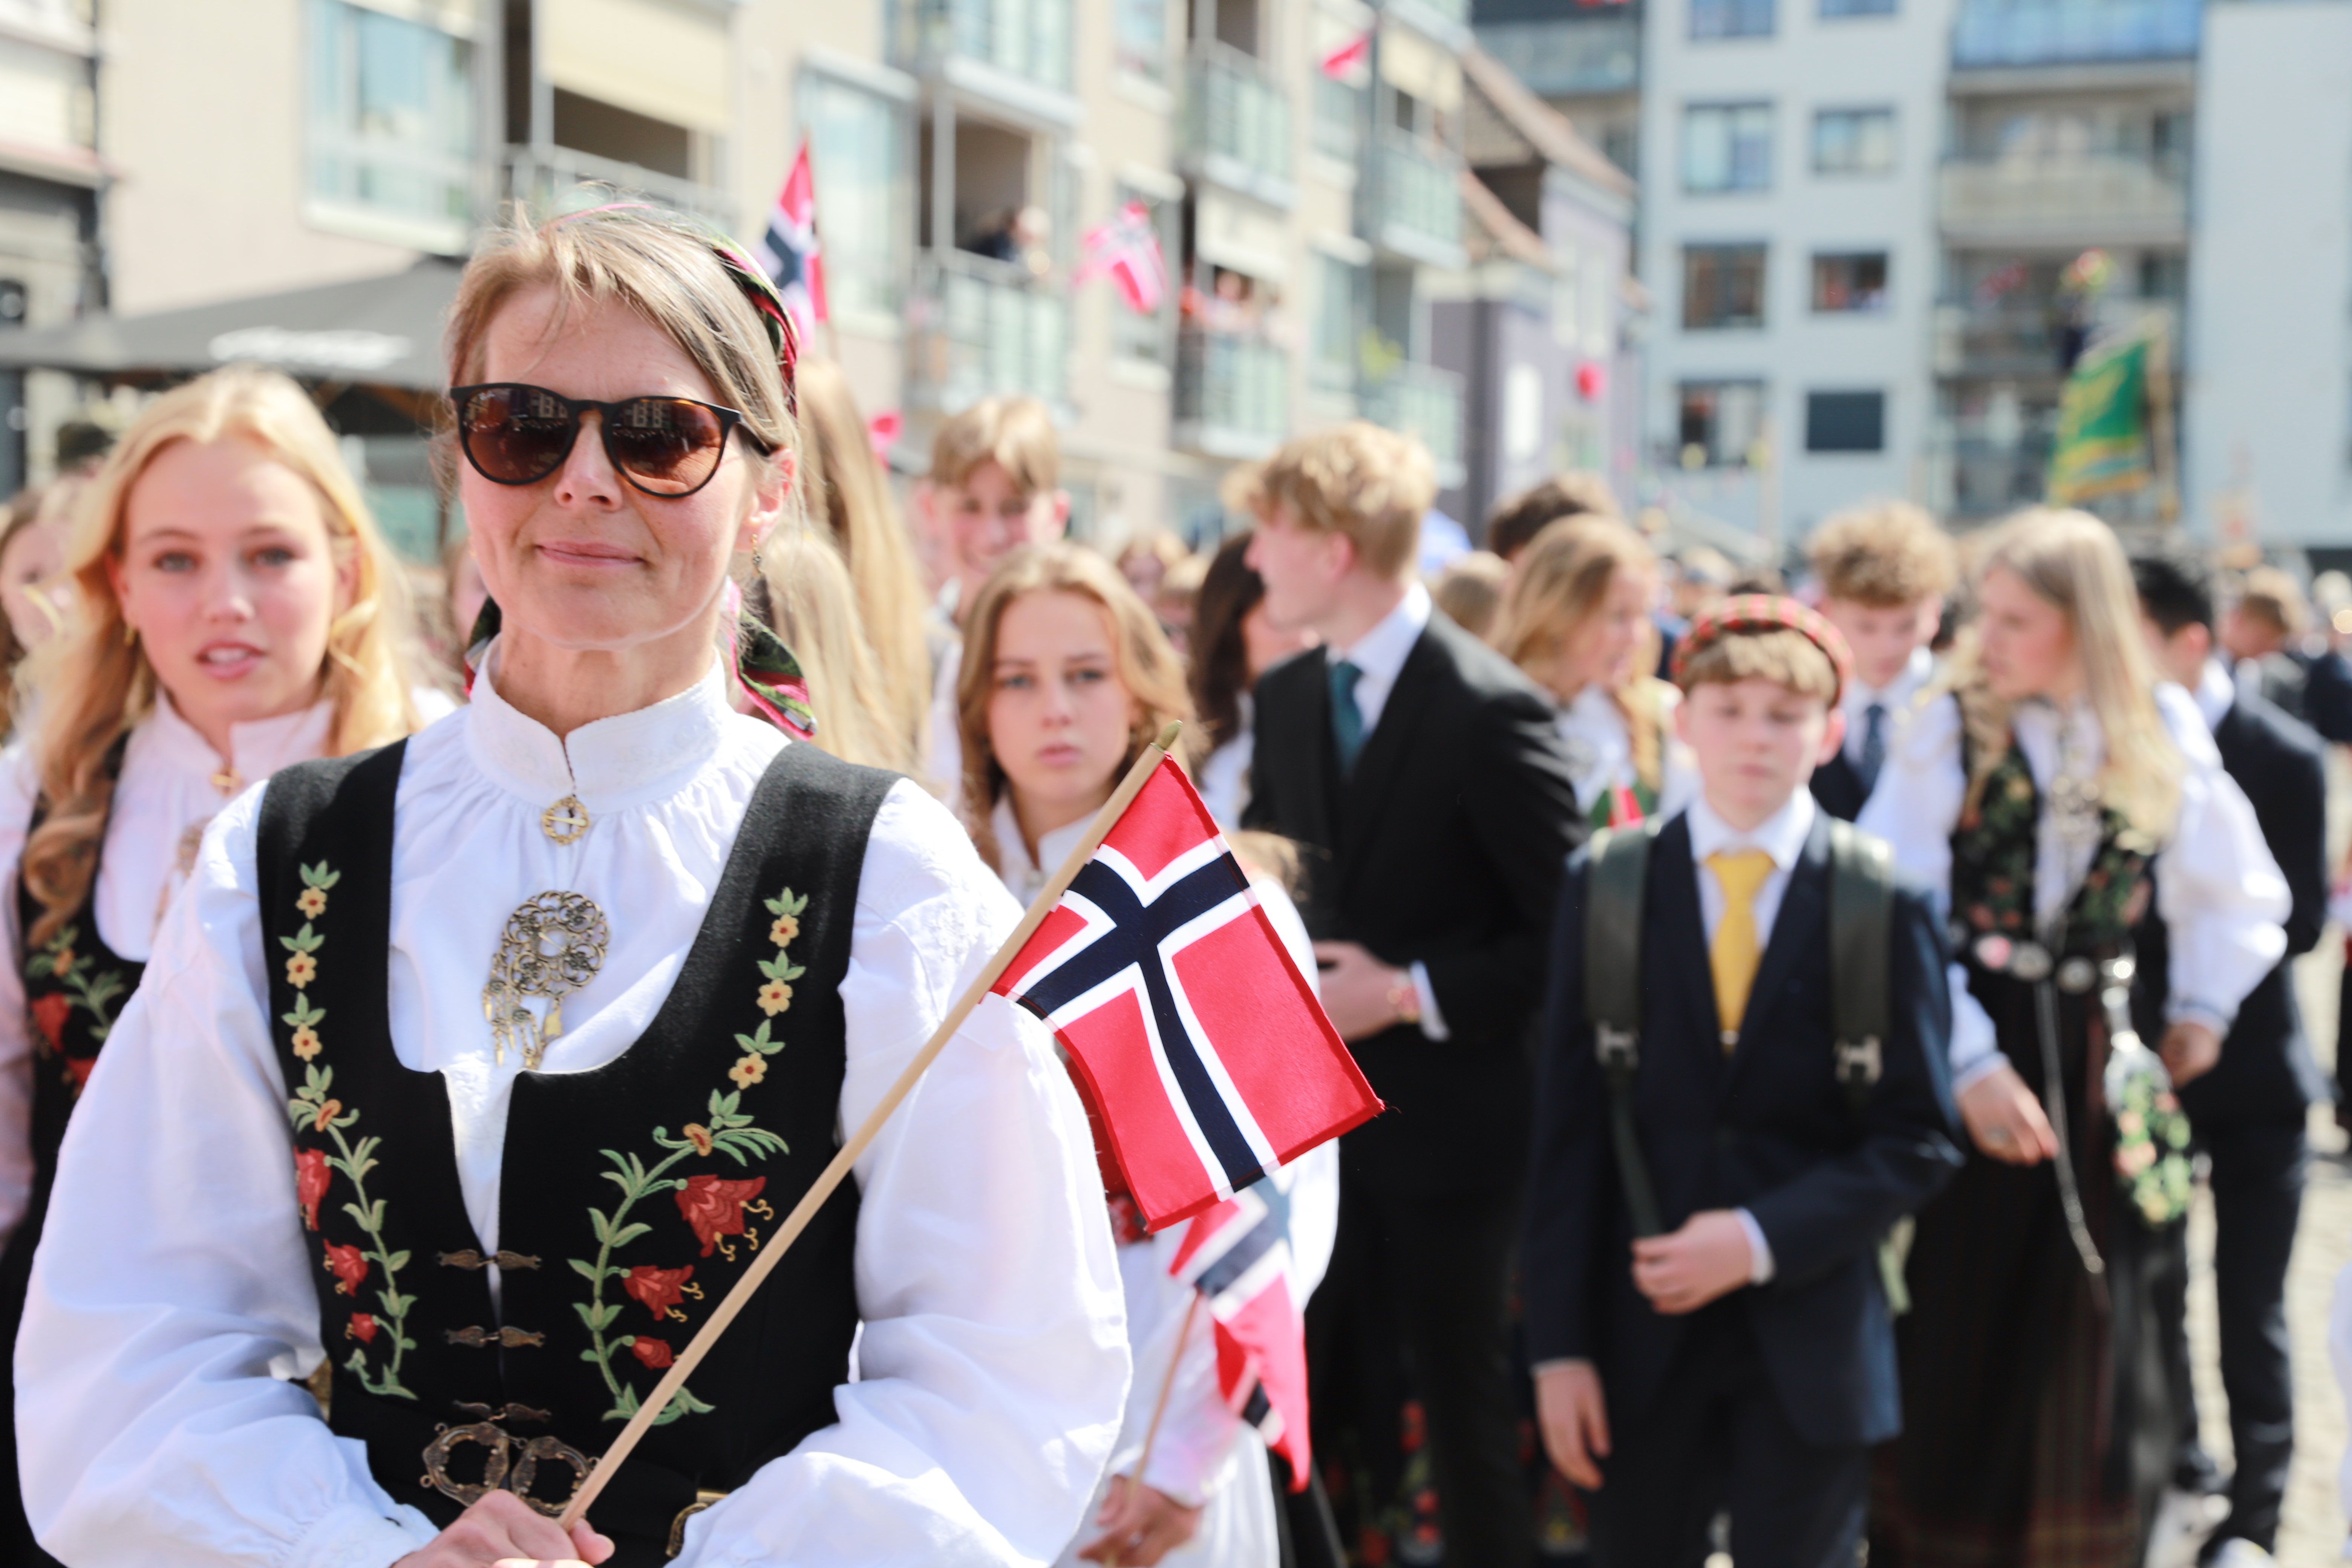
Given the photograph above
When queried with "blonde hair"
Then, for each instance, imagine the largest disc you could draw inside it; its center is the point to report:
(813, 603)
(1146, 663)
(97, 681)
(1562, 579)
(1470, 590)
(842, 488)
(2073, 561)
(1016, 434)
(2276, 600)
(1887, 554)
(1373, 485)
(1781, 655)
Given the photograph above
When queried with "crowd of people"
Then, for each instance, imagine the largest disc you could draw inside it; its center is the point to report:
(1801, 1017)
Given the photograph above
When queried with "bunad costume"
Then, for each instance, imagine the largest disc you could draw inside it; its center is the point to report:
(1205, 1456)
(1612, 773)
(59, 1002)
(2036, 1425)
(307, 1142)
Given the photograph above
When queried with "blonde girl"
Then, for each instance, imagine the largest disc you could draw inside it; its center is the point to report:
(1576, 618)
(813, 603)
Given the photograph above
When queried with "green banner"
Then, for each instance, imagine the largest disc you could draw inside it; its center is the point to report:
(2103, 439)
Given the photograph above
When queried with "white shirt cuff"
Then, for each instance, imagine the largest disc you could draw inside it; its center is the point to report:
(1759, 1251)
(2184, 1011)
(1433, 1021)
(356, 1536)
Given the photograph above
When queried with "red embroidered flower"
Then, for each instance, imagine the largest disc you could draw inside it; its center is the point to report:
(655, 1353)
(311, 1179)
(349, 1266)
(714, 1207)
(79, 1070)
(658, 1289)
(50, 1012)
(363, 1328)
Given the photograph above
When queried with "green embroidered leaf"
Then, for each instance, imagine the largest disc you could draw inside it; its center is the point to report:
(304, 1014)
(395, 1305)
(759, 1042)
(588, 1318)
(589, 1271)
(603, 1228)
(629, 1233)
(682, 1403)
(370, 1218)
(725, 1105)
(317, 876)
(398, 1261)
(320, 1078)
(303, 941)
(603, 1315)
(780, 968)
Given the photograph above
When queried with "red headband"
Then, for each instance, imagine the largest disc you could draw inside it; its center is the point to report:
(1765, 613)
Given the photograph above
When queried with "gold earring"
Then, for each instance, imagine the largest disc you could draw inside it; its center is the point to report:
(129, 635)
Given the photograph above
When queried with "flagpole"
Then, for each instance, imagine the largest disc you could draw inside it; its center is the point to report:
(838, 1172)
(1159, 1411)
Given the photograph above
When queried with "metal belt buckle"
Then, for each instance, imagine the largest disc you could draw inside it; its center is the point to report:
(702, 1500)
(2077, 975)
(2030, 962)
(510, 1464)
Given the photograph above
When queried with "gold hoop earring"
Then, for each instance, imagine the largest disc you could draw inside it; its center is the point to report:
(129, 635)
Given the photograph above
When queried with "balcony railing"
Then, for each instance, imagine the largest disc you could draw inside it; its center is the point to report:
(1416, 203)
(1237, 124)
(1562, 59)
(1025, 40)
(1424, 401)
(2006, 33)
(544, 178)
(1232, 395)
(2020, 341)
(2099, 197)
(982, 327)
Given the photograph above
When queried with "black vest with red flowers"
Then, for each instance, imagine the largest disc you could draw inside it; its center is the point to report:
(632, 1195)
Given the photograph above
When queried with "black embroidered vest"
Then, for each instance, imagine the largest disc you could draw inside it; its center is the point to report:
(632, 1195)
(1994, 850)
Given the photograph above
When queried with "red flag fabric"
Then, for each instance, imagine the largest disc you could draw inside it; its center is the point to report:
(1344, 62)
(1202, 1048)
(1238, 1256)
(1126, 247)
(788, 253)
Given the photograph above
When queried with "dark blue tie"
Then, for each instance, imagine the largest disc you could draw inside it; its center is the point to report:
(1346, 718)
(1873, 745)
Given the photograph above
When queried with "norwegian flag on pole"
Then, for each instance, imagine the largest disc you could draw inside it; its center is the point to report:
(1202, 1048)
(1343, 63)
(788, 252)
(1128, 248)
(1238, 1256)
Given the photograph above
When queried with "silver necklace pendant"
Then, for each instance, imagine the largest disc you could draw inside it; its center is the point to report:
(553, 945)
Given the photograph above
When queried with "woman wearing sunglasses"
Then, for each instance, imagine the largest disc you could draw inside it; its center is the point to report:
(237, 611)
(515, 1044)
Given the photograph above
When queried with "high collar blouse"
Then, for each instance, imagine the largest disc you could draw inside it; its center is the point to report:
(2217, 890)
(1601, 746)
(176, 1275)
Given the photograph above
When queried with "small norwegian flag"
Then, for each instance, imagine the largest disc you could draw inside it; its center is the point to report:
(1202, 1049)
(1344, 62)
(788, 252)
(1238, 1256)
(1128, 248)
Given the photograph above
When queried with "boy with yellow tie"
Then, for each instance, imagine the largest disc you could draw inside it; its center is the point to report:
(1722, 1143)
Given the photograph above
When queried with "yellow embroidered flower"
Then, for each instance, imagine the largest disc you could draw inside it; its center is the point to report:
(305, 1042)
(785, 932)
(749, 1071)
(698, 1136)
(300, 970)
(774, 997)
(313, 903)
(62, 960)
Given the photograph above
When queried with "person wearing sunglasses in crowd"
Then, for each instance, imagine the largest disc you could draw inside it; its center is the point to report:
(495, 1169)
(238, 612)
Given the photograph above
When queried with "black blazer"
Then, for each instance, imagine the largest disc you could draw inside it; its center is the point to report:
(2266, 1071)
(1768, 1129)
(1444, 847)
(1837, 787)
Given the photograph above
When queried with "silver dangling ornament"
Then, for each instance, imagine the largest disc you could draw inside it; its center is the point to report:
(553, 945)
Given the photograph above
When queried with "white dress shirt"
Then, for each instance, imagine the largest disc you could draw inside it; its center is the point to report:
(1601, 748)
(1896, 697)
(2216, 693)
(2217, 888)
(171, 1297)
(1223, 776)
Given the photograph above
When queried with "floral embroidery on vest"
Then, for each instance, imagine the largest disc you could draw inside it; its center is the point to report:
(76, 983)
(1993, 855)
(322, 1151)
(715, 1209)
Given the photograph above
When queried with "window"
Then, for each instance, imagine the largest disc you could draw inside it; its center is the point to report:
(1846, 422)
(1726, 147)
(1339, 113)
(1853, 283)
(857, 149)
(1338, 309)
(391, 136)
(2163, 275)
(1853, 142)
(1731, 18)
(1139, 38)
(1834, 8)
(1721, 422)
(1723, 286)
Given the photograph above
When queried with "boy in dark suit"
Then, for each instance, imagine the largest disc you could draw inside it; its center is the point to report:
(1421, 775)
(2248, 1111)
(1745, 1359)
(1885, 572)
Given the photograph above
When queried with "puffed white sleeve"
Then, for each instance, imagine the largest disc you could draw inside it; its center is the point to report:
(2222, 896)
(16, 791)
(993, 1365)
(171, 1299)
(1915, 807)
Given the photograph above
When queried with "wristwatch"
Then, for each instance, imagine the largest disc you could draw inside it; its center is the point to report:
(1404, 998)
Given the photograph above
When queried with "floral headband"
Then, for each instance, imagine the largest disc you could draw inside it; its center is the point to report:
(1766, 613)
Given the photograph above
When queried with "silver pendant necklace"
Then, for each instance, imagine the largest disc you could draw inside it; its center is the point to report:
(552, 944)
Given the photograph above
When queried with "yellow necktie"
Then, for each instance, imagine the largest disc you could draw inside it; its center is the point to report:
(1736, 951)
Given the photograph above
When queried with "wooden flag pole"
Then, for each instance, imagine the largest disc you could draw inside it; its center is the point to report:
(1159, 1412)
(834, 1174)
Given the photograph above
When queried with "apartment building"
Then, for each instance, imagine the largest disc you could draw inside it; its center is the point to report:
(49, 244)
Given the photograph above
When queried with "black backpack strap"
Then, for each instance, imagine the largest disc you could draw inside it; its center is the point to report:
(1615, 882)
(1861, 909)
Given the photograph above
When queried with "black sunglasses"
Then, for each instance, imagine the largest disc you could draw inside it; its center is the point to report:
(667, 446)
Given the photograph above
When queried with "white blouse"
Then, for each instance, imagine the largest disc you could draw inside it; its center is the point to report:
(2217, 888)
(1601, 750)
(171, 1297)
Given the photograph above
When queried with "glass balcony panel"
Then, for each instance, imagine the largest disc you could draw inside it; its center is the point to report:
(1025, 38)
(2023, 197)
(1235, 116)
(1233, 393)
(1995, 32)
(1561, 59)
(1424, 401)
(984, 328)
(1418, 203)
(543, 180)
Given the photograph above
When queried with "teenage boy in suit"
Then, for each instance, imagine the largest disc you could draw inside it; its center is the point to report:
(2248, 1111)
(1885, 572)
(1423, 777)
(1744, 1360)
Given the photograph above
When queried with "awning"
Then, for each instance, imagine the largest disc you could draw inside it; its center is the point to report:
(377, 331)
